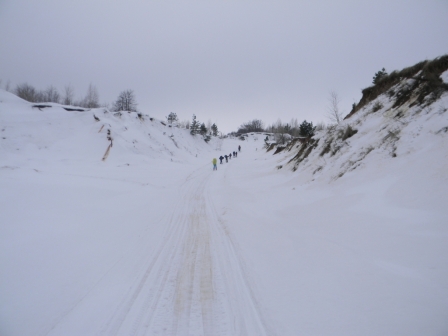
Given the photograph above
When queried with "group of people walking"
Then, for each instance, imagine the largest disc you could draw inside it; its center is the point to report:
(227, 157)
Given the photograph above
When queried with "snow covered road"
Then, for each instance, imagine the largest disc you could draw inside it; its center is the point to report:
(193, 283)
(133, 245)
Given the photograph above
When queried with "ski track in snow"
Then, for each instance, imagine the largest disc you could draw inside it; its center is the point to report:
(195, 282)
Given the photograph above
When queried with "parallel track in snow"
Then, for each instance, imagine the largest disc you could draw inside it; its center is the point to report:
(195, 283)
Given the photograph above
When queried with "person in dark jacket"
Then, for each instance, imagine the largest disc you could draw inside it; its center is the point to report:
(220, 159)
(230, 155)
(226, 158)
(239, 148)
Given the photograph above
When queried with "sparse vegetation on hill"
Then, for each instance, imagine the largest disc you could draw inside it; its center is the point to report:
(412, 96)
(334, 113)
(424, 84)
(125, 102)
(255, 125)
(52, 95)
(379, 75)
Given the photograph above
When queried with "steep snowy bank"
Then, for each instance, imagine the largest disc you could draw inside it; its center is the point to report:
(404, 117)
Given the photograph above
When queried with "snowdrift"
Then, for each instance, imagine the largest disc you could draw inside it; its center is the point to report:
(48, 132)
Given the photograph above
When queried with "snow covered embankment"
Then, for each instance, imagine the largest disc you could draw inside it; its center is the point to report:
(51, 133)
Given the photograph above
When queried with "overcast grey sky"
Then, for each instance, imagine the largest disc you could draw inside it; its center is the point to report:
(228, 61)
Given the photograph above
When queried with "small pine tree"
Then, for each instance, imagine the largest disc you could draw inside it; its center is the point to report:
(379, 75)
(306, 129)
(203, 129)
(214, 130)
(194, 127)
(172, 117)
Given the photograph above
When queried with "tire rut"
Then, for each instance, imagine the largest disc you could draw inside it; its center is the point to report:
(195, 282)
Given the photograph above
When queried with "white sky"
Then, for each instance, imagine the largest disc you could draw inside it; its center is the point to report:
(228, 61)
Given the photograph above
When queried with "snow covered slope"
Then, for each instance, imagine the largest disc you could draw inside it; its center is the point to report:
(386, 133)
(52, 133)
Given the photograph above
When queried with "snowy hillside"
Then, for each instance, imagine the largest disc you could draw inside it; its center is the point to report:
(49, 131)
(345, 234)
(387, 132)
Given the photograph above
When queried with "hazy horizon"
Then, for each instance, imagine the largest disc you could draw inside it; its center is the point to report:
(229, 62)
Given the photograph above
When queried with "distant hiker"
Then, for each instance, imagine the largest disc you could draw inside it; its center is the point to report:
(220, 159)
(226, 158)
(230, 155)
(214, 161)
(239, 148)
(236, 154)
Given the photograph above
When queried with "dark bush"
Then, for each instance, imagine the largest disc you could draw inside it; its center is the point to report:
(379, 75)
(327, 148)
(306, 129)
(377, 106)
(348, 132)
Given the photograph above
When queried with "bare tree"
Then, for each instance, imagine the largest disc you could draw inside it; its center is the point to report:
(333, 112)
(125, 102)
(294, 123)
(281, 137)
(255, 125)
(51, 95)
(8, 86)
(27, 92)
(320, 126)
(91, 100)
(209, 125)
(68, 95)
(105, 105)
(184, 124)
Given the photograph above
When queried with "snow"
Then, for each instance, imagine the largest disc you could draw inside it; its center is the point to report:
(444, 76)
(152, 241)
